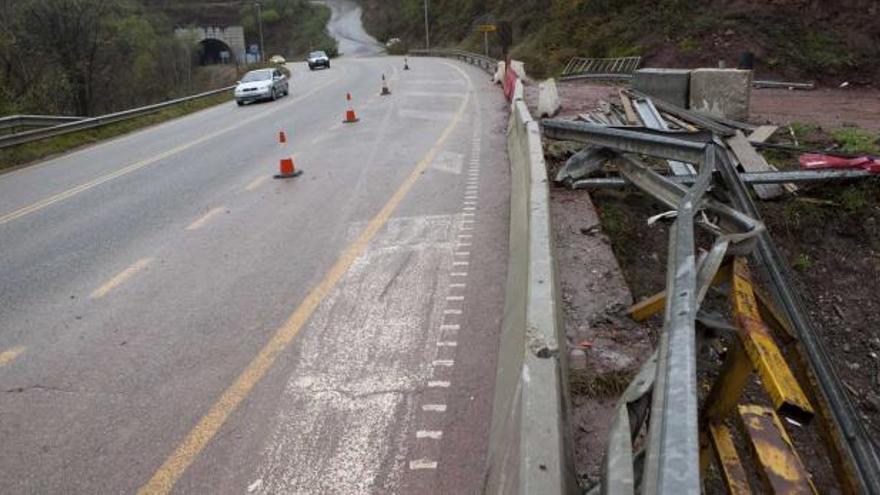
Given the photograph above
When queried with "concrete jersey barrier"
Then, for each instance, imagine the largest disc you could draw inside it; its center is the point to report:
(530, 447)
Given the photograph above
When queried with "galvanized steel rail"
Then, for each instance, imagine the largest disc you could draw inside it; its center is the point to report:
(14, 122)
(10, 140)
(486, 63)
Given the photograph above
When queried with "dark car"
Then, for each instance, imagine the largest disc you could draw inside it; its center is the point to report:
(318, 59)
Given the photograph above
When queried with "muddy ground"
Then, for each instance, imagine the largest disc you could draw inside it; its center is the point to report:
(830, 235)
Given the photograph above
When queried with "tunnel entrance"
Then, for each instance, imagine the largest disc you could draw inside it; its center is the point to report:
(212, 51)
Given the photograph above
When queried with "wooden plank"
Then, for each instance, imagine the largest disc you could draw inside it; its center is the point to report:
(752, 161)
(628, 109)
(762, 133)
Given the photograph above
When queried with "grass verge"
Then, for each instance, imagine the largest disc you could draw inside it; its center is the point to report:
(30, 152)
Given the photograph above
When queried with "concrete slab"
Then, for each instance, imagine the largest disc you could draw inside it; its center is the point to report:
(669, 85)
(721, 92)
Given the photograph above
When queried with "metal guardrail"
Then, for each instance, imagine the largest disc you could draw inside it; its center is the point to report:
(486, 63)
(578, 66)
(93, 122)
(13, 122)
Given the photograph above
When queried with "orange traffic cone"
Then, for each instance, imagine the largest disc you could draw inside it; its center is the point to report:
(287, 169)
(350, 117)
(385, 90)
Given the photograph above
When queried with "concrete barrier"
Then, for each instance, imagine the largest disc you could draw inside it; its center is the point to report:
(669, 85)
(548, 98)
(721, 92)
(501, 69)
(530, 447)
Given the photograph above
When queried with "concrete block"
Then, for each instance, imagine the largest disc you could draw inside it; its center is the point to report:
(519, 68)
(498, 78)
(548, 98)
(721, 92)
(669, 85)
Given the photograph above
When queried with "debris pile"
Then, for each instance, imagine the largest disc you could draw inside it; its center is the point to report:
(706, 169)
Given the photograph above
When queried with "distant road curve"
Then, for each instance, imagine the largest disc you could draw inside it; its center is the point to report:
(345, 25)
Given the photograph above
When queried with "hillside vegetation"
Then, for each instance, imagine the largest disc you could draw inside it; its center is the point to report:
(89, 57)
(807, 39)
(290, 27)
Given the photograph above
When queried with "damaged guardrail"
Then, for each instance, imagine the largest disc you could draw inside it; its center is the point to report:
(681, 435)
(10, 140)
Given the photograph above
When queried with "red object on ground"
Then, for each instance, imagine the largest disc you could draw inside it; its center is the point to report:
(815, 161)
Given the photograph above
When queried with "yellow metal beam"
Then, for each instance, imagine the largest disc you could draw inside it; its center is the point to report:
(728, 460)
(653, 305)
(785, 392)
(782, 471)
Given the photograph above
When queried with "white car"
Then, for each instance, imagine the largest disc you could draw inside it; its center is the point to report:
(261, 84)
(277, 59)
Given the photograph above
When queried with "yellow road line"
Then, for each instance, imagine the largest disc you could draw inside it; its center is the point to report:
(259, 181)
(174, 466)
(120, 278)
(206, 218)
(8, 355)
(39, 205)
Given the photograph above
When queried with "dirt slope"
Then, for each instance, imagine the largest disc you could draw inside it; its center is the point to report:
(830, 41)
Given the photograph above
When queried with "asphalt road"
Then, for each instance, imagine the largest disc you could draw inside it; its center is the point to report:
(175, 320)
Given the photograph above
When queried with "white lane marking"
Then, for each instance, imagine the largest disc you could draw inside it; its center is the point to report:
(463, 253)
(434, 407)
(450, 327)
(465, 236)
(256, 485)
(457, 286)
(8, 355)
(467, 228)
(470, 203)
(463, 244)
(460, 263)
(438, 384)
(204, 219)
(447, 344)
(430, 434)
(451, 311)
(46, 202)
(459, 274)
(468, 214)
(422, 464)
(259, 181)
(120, 278)
(444, 362)
(455, 298)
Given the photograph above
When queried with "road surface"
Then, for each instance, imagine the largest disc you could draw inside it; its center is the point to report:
(175, 320)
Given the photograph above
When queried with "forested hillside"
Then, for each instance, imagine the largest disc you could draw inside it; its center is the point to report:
(88, 57)
(826, 40)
